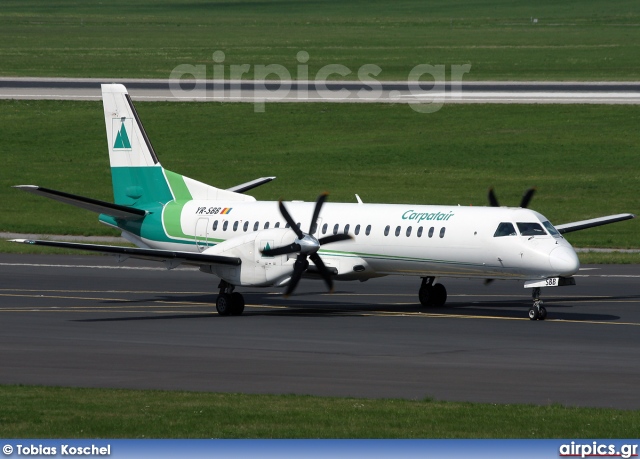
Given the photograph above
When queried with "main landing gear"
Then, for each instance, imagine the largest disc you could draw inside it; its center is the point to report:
(229, 303)
(537, 311)
(431, 294)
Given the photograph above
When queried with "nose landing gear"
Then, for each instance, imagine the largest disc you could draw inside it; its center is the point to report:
(537, 311)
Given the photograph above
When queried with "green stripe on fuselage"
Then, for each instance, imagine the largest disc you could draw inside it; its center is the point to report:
(172, 212)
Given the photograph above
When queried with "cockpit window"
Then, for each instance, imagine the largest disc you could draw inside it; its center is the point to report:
(531, 229)
(552, 231)
(505, 229)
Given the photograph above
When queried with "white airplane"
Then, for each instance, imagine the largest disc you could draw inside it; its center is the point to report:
(244, 242)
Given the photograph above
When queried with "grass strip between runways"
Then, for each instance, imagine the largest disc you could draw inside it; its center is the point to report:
(55, 412)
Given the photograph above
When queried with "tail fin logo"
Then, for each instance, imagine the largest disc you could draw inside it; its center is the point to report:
(120, 128)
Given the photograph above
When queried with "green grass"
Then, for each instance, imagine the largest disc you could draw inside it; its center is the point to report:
(53, 412)
(582, 158)
(618, 258)
(573, 40)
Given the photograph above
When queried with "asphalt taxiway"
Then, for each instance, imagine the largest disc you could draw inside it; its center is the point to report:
(92, 322)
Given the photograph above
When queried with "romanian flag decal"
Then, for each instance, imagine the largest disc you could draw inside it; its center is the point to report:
(225, 211)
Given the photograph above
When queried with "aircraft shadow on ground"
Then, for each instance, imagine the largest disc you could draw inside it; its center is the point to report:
(311, 304)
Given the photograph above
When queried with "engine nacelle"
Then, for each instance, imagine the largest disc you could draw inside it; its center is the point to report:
(256, 269)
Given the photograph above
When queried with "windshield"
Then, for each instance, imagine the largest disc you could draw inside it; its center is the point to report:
(531, 229)
(552, 231)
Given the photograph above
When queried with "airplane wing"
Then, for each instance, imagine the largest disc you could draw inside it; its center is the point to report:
(250, 185)
(584, 224)
(101, 207)
(171, 257)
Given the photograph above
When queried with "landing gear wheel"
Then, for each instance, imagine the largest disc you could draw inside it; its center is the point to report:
(424, 294)
(224, 304)
(533, 313)
(431, 294)
(438, 295)
(237, 304)
(542, 313)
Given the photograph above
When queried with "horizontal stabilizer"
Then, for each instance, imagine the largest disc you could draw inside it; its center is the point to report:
(250, 185)
(172, 256)
(101, 207)
(584, 224)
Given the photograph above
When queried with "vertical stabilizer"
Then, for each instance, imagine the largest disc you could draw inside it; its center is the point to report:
(138, 178)
(136, 173)
(129, 145)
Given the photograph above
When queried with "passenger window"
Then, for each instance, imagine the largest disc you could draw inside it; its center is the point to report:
(245, 227)
(386, 230)
(398, 231)
(420, 231)
(368, 230)
(266, 225)
(346, 229)
(335, 229)
(225, 225)
(324, 228)
(505, 229)
(531, 229)
(235, 226)
(442, 230)
(314, 228)
(256, 225)
(215, 225)
(430, 232)
(357, 230)
(277, 225)
(408, 231)
(287, 225)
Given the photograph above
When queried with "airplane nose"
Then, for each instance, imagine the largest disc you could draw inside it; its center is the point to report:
(564, 261)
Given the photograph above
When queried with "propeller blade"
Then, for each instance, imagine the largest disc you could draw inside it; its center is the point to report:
(316, 212)
(324, 272)
(290, 221)
(524, 203)
(493, 201)
(299, 268)
(334, 238)
(292, 248)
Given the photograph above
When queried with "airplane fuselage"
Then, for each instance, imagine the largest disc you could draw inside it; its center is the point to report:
(387, 239)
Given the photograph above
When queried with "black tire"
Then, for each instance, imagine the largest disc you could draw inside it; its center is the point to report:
(533, 314)
(224, 304)
(237, 304)
(543, 313)
(425, 294)
(438, 295)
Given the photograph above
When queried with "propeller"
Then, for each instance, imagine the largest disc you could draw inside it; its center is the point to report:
(306, 246)
(524, 202)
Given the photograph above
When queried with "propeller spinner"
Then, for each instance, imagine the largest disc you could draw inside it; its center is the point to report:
(306, 246)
